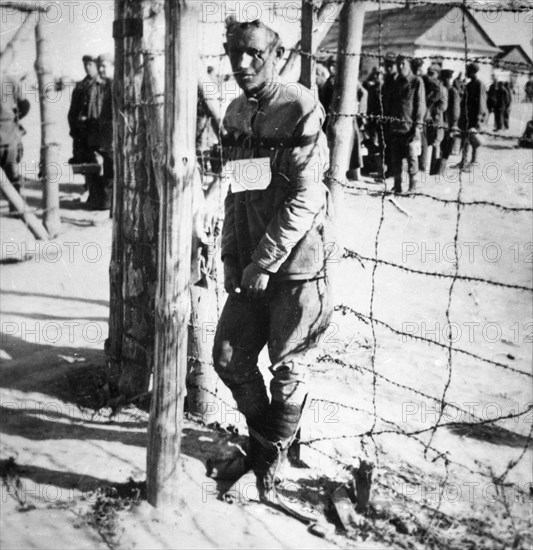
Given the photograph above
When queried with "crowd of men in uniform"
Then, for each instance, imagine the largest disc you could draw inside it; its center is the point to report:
(420, 116)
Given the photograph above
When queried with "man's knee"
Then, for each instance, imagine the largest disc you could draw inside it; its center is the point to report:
(222, 355)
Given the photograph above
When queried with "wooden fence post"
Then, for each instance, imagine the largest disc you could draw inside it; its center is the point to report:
(133, 268)
(175, 236)
(340, 130)
(307, 74)
(49, 161)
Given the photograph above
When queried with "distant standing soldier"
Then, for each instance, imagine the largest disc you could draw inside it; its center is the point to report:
(507, 104)
(389, 78)
(451, 114)
(436, 105)
(105, 130)
(83, 114)
(12, 109)
(407, 106)
(473, 114)
(90, 98)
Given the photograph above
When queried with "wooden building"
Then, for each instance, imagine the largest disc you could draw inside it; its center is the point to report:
(433, 32)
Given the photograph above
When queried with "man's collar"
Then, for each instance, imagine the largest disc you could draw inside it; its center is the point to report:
(267, 91)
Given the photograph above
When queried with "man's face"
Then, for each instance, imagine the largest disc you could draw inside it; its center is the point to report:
(404, 67)
(390, 68)
(106, 69)
(91, 69)
(252, 57)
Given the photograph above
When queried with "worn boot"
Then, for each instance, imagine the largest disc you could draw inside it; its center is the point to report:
(269, 447)
(413, 184)
(397, 189)
(269, 460)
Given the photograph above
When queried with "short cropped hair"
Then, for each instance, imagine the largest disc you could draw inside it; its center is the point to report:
(234, 27)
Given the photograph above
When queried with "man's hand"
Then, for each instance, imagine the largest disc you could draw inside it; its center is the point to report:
(254, 281)
(231, 276)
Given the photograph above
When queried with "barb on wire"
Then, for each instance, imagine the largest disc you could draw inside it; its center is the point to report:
(366, 318)
(491, 7)
(352, 254)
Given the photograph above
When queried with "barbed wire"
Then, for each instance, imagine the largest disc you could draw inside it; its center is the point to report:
(470, 6)
(352, 254)
(344, 309)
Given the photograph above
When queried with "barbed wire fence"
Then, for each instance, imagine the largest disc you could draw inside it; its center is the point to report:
(440, 524)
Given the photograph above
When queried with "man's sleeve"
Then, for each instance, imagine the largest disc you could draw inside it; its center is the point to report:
(306, 198)
(419, 111)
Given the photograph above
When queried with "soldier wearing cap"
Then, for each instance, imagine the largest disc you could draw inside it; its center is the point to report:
(84, 121)
(12, 109)
(407, 106)
(451, 114)
(276, 242)
(473, 115)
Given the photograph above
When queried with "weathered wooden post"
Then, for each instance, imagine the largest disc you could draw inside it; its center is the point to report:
(49, 161)
(340, 130)
(175, 234)
(22, 35)
(323, 22)
(133, 268)
(307, 74)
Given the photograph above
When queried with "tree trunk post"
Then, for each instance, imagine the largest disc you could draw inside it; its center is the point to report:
(175, 236)
(49, 160)
(307, 74)
(340, 130)
(133, 269)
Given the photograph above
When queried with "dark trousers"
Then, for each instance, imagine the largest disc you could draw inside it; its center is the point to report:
(101, 186)
(400, 150)
(498, 119)
(506, 115)
(289, 320)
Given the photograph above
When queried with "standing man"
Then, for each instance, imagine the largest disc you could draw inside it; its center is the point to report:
(389, 78)
(407, 105)
(275, 241)
(90, 98)
(81, 122)
(451, 114)
(105, 131)
(436, 105)
(473, 115)
(12, 109)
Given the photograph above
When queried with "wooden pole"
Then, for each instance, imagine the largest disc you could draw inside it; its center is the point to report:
(175, 235)
(340, 130)
(30, 219)
(323, 24)
(133, 269)
(27, 7)
(116, 269)
(44, 38)
(307, 74)
(22, 35)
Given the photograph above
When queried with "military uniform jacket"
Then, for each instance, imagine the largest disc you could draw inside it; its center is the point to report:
(473, 105)
(407, 103)
(286, 228)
